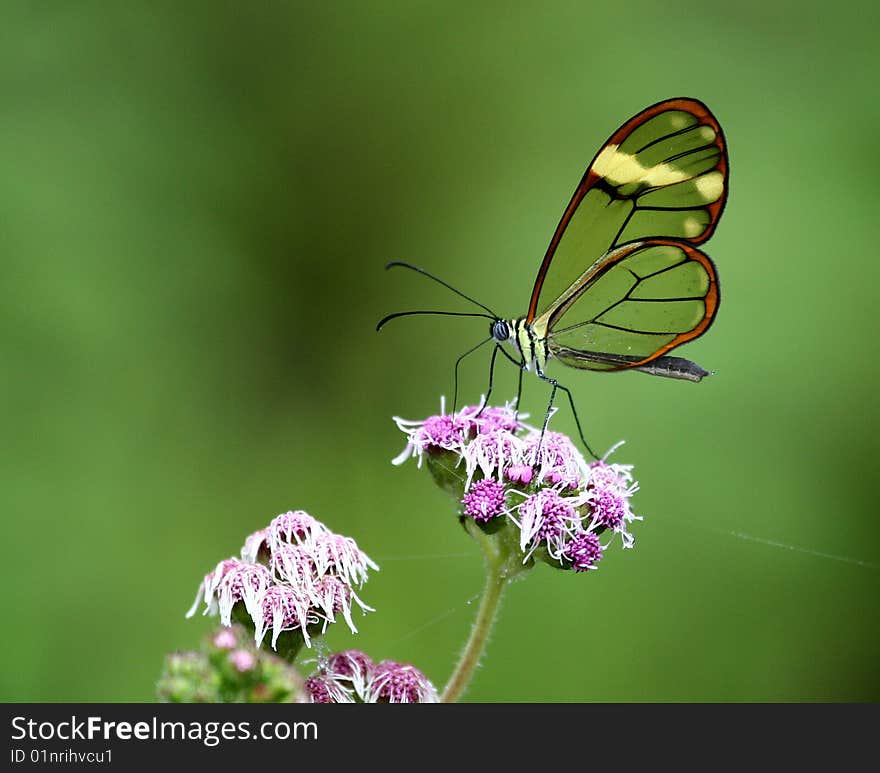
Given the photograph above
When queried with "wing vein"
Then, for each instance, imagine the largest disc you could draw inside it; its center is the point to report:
(684, 153)
(695, 208)
(638, 332)
(678, 133)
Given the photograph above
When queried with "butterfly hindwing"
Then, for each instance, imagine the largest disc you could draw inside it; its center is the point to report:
(663, 174)
(634, 305)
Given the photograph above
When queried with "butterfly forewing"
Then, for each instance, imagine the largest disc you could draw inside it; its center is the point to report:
(663, 174)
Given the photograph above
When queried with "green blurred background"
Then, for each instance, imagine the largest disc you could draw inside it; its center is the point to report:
(197, 206)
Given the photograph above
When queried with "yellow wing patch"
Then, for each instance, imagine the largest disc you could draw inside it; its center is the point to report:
(621, 168)
(692, 227)
(710, 185)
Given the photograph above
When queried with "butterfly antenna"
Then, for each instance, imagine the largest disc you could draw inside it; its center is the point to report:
(422, 271)
(384, 320)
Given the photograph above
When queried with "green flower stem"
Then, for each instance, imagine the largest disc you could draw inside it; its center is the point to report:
(503, 563)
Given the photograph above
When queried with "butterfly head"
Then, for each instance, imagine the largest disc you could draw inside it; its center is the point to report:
(500, 330)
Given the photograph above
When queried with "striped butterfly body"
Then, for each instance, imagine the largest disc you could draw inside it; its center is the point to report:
(623, 281)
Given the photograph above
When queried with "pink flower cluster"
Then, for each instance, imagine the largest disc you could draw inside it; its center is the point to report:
(352, 677)
(293, 575)
(560, 503)
(448, 432)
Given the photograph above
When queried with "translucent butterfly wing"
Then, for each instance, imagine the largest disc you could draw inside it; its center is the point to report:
(639, 302)
(663, 174)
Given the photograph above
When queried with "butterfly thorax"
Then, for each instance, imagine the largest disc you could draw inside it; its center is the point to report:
(527, 345)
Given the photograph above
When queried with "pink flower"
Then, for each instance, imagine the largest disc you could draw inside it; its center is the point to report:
(283, 608)
(323, 688)
(294, 527)
(611, 486)
(354, 667)
(556, 459)
(609, 509)
(309, 579)
(548, 519)
(351, 676)
(447, 432)
(230, 582)
(400, 683)
(349, 663)
(540, 481)
(341, 556)
(242, 660)
(502, 419)
(225, 639)
(256, 546)
(491, 453)
(583, 551)
(520, 473)
(484, 500)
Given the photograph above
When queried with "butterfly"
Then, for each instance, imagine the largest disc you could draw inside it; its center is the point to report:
(623, 281)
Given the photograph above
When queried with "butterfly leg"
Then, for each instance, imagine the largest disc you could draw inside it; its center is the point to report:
(556, 385)
(522, 367)
(521, 364)
(491, 380)
(457, 363)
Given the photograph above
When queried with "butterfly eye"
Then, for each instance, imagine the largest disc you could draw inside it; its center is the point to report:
(500, 331)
